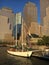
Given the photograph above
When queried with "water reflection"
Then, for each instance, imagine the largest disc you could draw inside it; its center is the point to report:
(21, 60)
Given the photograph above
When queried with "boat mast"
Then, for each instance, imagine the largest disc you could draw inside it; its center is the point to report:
(22, 33)
(16, 29)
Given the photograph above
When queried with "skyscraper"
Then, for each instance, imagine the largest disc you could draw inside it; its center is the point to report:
(18, 23)
(46, 23)
(43, 5)
(30, 17)
(30, 23)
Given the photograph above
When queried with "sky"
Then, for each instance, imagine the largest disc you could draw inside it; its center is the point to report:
(18, 5)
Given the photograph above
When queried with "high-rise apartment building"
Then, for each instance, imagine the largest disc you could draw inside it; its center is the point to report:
(30, 17)
(30, 23)
(46, 23)
(43, 5)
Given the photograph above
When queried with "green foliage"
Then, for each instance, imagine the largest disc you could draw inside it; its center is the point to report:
(44, 41)
(0, 41)
(39, 42)
(35, 35)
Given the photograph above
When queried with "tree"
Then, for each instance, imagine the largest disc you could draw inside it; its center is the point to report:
(44, 41)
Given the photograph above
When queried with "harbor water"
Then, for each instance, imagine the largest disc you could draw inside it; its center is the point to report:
(7, 59)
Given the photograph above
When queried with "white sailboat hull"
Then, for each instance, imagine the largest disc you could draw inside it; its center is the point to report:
(23, 54)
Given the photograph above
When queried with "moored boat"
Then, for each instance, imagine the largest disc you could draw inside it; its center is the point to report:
(20, 53)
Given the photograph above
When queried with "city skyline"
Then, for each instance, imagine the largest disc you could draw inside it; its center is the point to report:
(18, 5)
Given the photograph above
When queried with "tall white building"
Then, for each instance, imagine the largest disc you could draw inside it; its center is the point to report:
(17, 25)
(18, 18)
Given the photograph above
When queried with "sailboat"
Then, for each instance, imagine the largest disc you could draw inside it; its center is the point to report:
(20, 53)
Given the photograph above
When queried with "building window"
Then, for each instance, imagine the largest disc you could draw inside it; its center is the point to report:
(10, 26)
(8, 20)
(29, 10)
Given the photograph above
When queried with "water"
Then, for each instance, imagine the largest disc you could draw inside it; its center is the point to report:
(6, 59)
